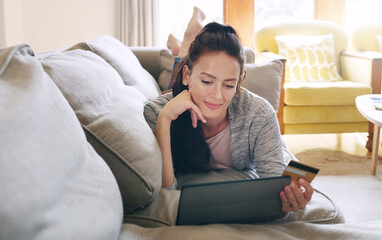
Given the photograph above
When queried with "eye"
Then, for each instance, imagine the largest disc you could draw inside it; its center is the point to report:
(206, 82)
(229, 86)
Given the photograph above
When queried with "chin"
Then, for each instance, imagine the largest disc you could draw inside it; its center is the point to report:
(211, 115)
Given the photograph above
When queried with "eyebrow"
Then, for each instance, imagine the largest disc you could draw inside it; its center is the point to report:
(212, 76)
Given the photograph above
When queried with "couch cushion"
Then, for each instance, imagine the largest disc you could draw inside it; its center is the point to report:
(112, 115)
(265, 80)
(122, 59)
(322, 114)
(54, 185)
(159, 213)
(313, 128)
(324, 93)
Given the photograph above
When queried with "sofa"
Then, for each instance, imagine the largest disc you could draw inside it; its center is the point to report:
(78, 160)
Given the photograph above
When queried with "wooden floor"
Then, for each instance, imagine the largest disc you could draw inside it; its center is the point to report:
(352, 143)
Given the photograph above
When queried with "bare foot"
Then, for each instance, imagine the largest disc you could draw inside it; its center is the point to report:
(193, 28)
(173, 44)
(195, 24)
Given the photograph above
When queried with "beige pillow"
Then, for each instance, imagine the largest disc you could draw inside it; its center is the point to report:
(111, 114)
(122, 59)
(166, 61)
(309, 58)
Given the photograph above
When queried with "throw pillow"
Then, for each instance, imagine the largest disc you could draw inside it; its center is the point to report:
(379, 40)
(265, 80)
(122, 59)
(111, 114)
(53, 184)
(166, 61)
(308, 58)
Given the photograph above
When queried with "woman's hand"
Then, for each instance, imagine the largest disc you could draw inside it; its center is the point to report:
(296, 195)
(181, 103)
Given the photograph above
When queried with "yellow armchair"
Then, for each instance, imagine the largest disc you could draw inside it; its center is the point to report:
(365, 53)
(320, 106)
(364, 37)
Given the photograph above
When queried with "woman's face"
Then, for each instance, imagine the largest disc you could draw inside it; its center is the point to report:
(212, 83)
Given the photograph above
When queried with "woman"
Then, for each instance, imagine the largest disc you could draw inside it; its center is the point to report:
(209, 122)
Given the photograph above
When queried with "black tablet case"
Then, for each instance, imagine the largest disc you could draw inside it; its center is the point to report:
(241, 201)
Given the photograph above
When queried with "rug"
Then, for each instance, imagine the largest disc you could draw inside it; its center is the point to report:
(331, 162)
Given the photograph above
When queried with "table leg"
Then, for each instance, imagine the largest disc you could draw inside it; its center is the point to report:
(374, 156)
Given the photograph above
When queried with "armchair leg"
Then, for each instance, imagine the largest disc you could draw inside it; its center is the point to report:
(369, 143)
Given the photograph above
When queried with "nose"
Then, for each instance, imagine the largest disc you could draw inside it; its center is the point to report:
(217, 92)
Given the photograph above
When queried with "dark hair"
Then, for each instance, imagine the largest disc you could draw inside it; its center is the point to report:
(189, 149)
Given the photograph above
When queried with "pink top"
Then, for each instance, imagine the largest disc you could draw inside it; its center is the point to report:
(221, 156)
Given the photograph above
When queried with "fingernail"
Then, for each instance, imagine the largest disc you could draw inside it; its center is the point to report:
(301, 181)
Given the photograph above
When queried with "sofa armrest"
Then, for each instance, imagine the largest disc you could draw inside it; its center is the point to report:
(149, 59)
(269, 56)
(362, 67)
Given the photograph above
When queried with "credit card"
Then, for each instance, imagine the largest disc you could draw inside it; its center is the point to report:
(298, 170)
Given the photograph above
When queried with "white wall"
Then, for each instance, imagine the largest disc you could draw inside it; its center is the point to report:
(2, 32)
(49, 24)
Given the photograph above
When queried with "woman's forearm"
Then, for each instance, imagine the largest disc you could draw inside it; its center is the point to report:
(163, 137)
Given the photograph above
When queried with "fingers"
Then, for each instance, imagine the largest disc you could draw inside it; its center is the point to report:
(194, 118)
(299, 196)
(196, 114)
(308, 189)
(295, 197)
(290, 194)
(285, 206)
(181, 103)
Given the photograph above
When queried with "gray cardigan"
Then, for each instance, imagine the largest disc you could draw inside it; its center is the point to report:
(255, 135)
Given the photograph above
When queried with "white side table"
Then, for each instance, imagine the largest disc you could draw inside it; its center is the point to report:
(366, 105)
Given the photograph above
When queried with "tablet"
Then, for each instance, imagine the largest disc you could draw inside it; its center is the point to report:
(241, 201)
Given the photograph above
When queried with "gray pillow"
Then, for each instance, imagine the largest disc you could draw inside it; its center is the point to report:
(265, 80)
(122, 59)
(53, 184)
(112, 115)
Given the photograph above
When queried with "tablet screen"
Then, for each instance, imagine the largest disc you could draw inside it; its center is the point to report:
(241, 201)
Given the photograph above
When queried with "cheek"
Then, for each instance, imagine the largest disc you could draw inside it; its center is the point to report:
(228, 97)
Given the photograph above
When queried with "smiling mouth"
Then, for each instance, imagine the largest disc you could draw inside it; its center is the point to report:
(212, 105)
